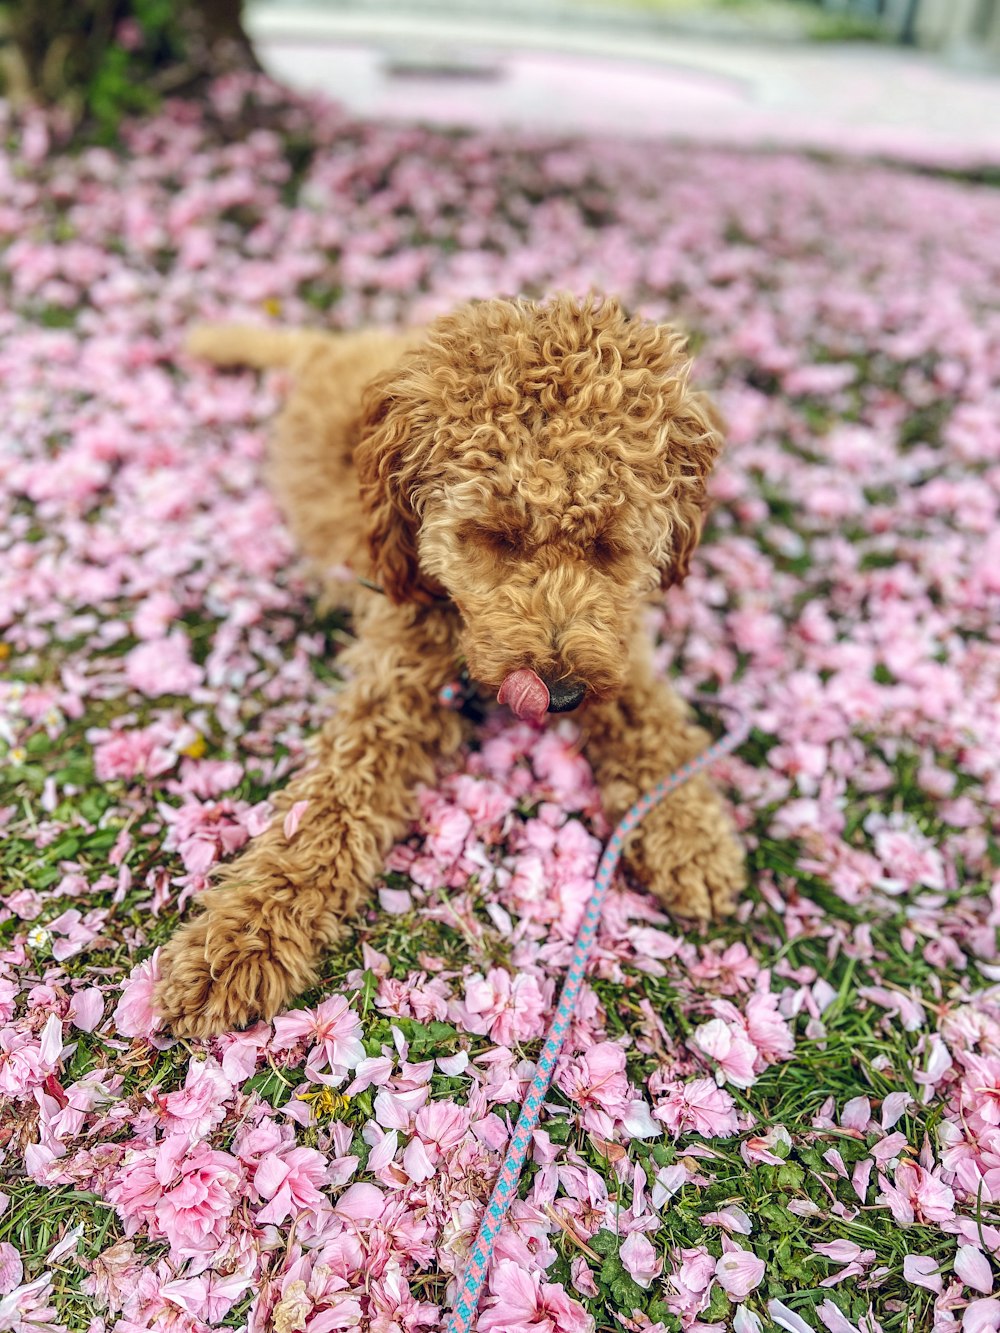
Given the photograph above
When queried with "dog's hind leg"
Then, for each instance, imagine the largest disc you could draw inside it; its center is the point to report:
(261, 934)
(250, 345)
(310, 467)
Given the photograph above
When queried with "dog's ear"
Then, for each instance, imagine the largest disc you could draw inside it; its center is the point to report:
(696, 436)
(387, 462)
(686, 539)
(677, 429)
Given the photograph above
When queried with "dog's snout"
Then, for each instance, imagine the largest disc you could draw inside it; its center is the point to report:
(565, 695)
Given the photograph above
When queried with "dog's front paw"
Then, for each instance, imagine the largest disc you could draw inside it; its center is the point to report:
(223, 970)
(688, 855)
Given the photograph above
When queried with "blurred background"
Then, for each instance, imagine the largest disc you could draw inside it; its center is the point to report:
(911, 78)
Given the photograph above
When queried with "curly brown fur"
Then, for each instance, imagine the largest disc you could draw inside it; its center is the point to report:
(519, 478)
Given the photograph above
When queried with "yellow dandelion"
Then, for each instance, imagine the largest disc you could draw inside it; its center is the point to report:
(325, 1102)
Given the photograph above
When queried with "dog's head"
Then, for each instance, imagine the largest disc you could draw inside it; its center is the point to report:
(544, 466)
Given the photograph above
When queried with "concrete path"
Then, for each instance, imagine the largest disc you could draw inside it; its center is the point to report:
(462, 70)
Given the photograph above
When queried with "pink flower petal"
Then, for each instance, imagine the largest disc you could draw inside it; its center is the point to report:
(860, 1177)
(833, 1319)
(739, 1272)
(981, 1317)
(922, 1271)
(745, 1321)
(787, 1319)
(87, 1008)
(51, 1041)
(11, 1268)
(840, 1251)
(361, 1203)
(383, 1152)
(973, 1268)
(640, 1258)
(293, 817)
(894, 1108)
(416, 1162)
(395, 902)
(856, 1113)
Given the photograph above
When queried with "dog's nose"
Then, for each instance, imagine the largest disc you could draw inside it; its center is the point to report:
(565, 695)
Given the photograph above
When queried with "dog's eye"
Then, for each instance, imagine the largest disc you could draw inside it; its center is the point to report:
(498, 543)
(605, 550)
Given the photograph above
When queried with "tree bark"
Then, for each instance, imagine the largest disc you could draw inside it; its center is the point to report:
(60, 52)
(221, 22)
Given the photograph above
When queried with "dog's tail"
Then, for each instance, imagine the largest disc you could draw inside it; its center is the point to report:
(245, 345)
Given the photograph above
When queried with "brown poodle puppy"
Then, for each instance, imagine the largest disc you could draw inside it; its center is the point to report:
(517, 479)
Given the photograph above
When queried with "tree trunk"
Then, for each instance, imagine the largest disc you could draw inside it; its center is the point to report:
(101, 59)
(221, 23)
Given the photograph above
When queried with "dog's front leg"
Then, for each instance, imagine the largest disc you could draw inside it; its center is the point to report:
(275, 909)
(685, 850)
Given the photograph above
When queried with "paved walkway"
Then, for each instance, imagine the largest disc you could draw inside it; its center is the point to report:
(474, 71)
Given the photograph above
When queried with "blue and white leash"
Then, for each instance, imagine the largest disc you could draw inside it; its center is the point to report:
(505, 1189)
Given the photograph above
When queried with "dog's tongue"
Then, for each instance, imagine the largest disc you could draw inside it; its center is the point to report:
(525, 694)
